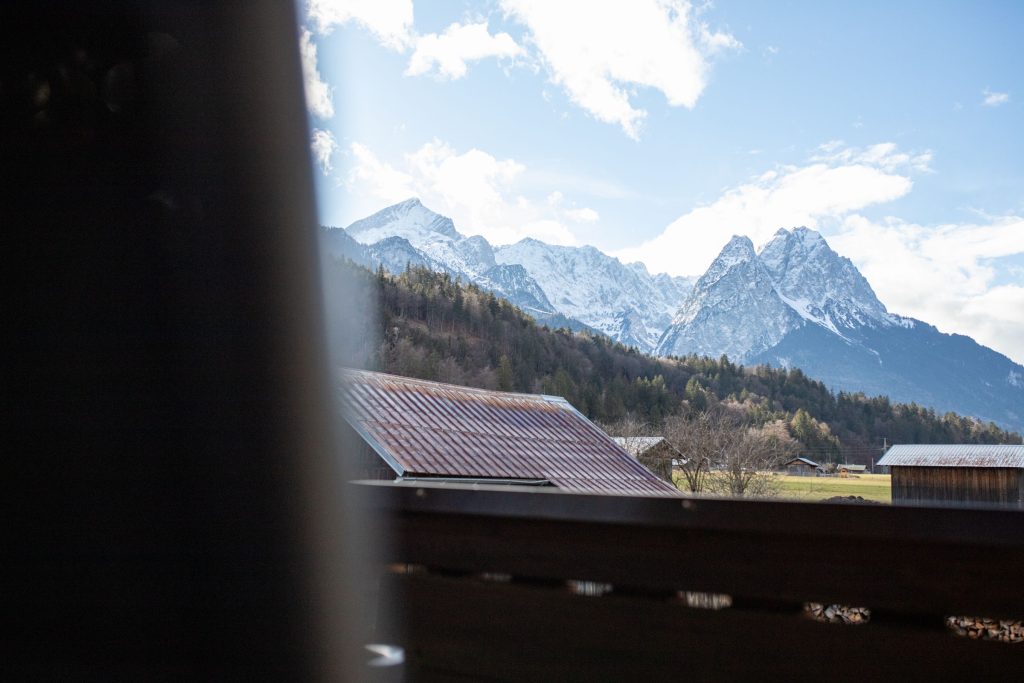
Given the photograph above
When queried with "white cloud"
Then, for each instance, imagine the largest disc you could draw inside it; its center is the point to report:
(324, 145)
(884, 155)
(943, 274)
(994, 99)
(717, 41)
(376, 179)
(599, 51)
(389, 20)
(584, 215)
(318, 93)
(476, 190)
(832, 185)
(459, 43)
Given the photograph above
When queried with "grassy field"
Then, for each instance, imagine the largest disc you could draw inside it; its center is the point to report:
(868, 486)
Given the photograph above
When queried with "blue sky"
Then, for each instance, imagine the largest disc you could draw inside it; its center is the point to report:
(656, 129)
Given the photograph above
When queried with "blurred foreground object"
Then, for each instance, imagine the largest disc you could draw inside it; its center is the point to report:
(181, 510)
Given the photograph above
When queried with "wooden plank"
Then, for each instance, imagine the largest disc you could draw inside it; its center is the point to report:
(761, 551)
(507, 632)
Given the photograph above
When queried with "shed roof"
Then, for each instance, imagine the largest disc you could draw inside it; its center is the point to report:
(853, 468)
(957, 455)
(432, 429)
(635, 445)
(805, 461)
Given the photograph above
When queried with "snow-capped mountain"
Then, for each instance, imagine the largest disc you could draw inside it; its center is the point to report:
(798, 303)
(733, 309)
(411, 234)
(622, 301)
(578, 287)
(747, 302)
(819, 284)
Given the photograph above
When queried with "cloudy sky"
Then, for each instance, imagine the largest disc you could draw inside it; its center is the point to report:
(656, 129)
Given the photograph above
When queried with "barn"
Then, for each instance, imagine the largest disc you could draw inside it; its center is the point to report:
(654, 452)
(803, 467)
(848, 470)
(420, 430)
(957, 474)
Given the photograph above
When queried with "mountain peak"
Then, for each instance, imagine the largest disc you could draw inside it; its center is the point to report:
(822, 286)
(409, 219)
(739, 243)
(738, 251)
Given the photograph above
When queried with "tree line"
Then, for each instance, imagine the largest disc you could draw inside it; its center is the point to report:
(429, 325)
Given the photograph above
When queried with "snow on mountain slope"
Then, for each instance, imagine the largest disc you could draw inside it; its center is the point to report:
(747, 301)
(411, 233)
(408, 219)
(621, 301)
(822, 286)
(513, 283)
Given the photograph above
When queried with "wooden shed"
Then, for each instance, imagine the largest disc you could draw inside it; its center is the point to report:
(846, 470)
(803, 467)
(957, 474)
(653, 452)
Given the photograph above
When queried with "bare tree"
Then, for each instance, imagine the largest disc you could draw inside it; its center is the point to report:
(725, 455)
(700, 440)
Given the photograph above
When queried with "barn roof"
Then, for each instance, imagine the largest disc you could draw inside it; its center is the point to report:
(430, 429)
(805, 461)
(958, 455)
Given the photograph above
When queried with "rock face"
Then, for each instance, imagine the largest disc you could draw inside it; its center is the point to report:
(733, 309)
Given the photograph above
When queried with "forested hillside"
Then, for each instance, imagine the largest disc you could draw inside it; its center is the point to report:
(433, 327)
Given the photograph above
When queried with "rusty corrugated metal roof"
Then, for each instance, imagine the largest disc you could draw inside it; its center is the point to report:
(956, 455)
(432, 429)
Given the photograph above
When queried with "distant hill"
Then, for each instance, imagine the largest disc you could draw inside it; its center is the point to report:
(428, 325)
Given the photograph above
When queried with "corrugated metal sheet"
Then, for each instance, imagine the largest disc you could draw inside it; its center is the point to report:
(920, 455)
(433, 429)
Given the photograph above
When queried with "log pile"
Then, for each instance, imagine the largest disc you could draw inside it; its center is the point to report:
(837, 614)
(987, 629)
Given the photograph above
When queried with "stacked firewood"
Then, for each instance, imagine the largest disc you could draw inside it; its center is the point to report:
(837, 614)
(987, 629)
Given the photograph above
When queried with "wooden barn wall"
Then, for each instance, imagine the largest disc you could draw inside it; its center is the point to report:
(658, 460)
(1004, 486)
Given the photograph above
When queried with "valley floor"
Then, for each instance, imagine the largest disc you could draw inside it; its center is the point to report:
(875, 487)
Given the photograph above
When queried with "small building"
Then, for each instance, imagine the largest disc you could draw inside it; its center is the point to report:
(654, 452)
(957, 474)
(846, 470)
(428, 431)
(802, 467)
